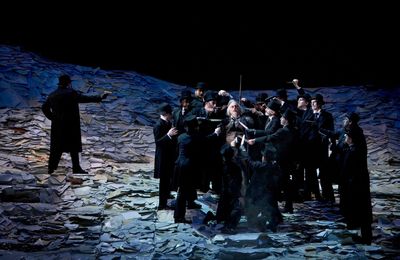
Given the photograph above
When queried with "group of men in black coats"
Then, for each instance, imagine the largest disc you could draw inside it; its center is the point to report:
(272, 150)
(265, 152)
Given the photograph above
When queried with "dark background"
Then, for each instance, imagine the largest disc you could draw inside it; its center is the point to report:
(267, 47)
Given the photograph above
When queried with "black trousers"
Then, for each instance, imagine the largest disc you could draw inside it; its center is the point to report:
(229, 210)
(55, 157)
(186, 189)
(165, 186)
(286, 184)
(184, 194)
(311, 184)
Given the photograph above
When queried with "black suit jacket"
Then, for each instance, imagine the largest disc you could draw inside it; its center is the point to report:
(283, 141)
(315, 143)
(165, 149)
(178, 119)
(271, 126)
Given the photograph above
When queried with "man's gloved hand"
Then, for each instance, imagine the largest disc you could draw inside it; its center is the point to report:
(172, 132)
(251, 141)
(251, 131)
(295, 83)
(217, 131)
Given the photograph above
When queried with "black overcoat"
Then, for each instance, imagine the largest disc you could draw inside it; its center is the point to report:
(356, 198)
(62, 108)
(165, 149)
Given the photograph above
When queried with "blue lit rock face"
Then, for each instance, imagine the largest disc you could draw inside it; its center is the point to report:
(111, 212)
(26, 79)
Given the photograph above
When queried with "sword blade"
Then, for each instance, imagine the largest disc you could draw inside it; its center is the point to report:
(245, 127)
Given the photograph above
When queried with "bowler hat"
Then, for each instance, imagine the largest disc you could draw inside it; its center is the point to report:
(210, 95)
(186, 94)
(201, 85)
(290, 115)
(261, 97)
(64, 80)
(223, 100)
(273, 105)
(165, 108)
(281, 93)
(307, 97)
(319, 98)
(353, 117)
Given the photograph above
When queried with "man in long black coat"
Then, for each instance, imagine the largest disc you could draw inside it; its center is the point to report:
(62, 108)
(356, 195)
(164, 136)
(284, 142)
(316, 146)
(189, 158)
(211, 170)
(229, 209)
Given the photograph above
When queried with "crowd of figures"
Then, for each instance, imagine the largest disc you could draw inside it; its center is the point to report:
(251, 154)
(255, 154)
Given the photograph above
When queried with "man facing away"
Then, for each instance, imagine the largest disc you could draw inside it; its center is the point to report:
(62, 108)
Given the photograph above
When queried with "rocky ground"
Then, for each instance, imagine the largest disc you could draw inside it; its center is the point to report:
(111, 213)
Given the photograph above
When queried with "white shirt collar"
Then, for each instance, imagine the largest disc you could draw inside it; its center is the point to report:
(163, 118)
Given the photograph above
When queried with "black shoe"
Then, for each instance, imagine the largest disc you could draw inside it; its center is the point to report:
(209, 217)
(193, 205)
(229, 231)
(272, 227)
(183, 220)
(360, 240)
(287, 210)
